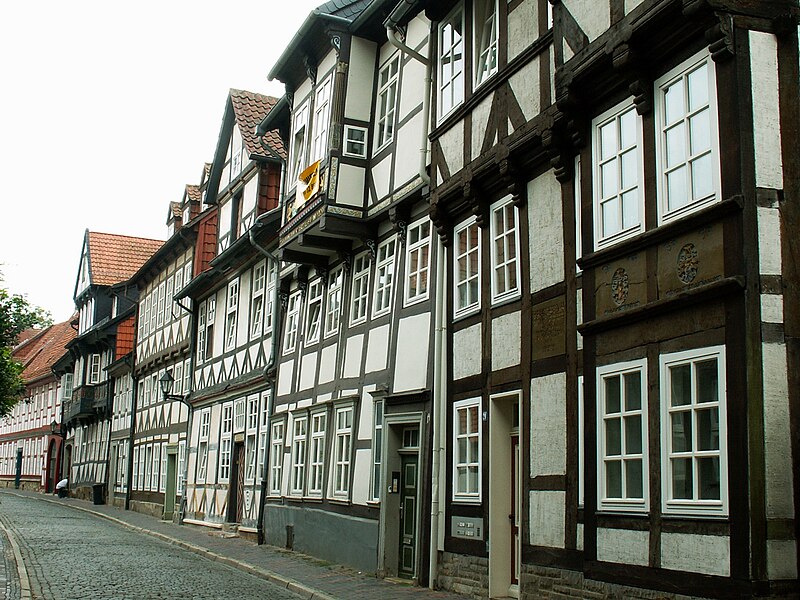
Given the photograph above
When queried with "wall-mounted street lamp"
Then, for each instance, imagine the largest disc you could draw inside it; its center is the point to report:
(57, 428)
(166, 382)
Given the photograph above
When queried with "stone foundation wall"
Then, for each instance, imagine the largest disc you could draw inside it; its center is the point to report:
(148, 508)
(24, 484)
(465, 575)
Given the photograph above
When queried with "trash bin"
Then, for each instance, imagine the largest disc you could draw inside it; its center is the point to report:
(98, 497)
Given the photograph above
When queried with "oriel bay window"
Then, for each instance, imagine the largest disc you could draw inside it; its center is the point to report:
(466, 274)
(693, 432)
(622, 436)
(467, 450)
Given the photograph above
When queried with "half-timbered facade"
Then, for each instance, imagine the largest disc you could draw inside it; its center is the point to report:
(350, 434)
(233, 301)
(105, 303)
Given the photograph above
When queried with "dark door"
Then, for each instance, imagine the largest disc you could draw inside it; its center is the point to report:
(408, 515)
(52, 474)
(236, 505)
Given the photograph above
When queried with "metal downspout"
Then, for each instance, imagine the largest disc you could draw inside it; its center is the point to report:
(134, 399)
(187, 395)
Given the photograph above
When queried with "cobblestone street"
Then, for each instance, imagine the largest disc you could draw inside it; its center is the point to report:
(73, 554)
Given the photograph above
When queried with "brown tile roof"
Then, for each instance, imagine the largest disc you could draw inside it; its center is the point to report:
(45, 350)
(175, 210)
(193, 193)
(125, 337)
(249, 109)
(115, 258)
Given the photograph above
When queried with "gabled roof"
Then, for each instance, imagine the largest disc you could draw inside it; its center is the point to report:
(249, 109)
(42, 352)
(343, 8)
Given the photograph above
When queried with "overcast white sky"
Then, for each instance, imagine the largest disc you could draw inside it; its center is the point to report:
(107, 110)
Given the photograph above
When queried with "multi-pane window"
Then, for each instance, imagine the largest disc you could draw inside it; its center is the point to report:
(387, 99)
(299, 431)
(150, 481)
(250, 441)
(360, 288)
(298, 160)
(142, 462)
(319, 140)
(467, 253)
(505, 250)
(162, 479)
(67, 386)
(317, 460)
(202, 449)
(694, 440)
(292, 320)
(162, 302)
(272, 271)
(168, 301)
(686, 152)
(377, 449)
(135, 475)
(94, 368)
(225, 442)
(154, 309)
(181, 467)
(622, 436)
(384, 277)
(467, 452)
(355, 141)
(451, 62)
(342, 449)
(263, 434)
(257, 300)
(418, 261)
(333, 307)
(314, 311)
(618, 194)
(230, 314)
(485, 27)
(205, 328)
(177, 387)
(276, 458)
(187, 376)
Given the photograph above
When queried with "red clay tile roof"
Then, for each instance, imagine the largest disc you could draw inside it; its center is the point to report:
(175, 210)
(115, 258)
(249, 110)
(193, 193)
(45, 350)
(125, 337)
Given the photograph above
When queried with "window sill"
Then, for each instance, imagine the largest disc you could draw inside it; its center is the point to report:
(467, 312)
(461, 500)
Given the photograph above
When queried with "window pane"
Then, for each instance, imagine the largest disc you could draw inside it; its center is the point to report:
(708, 475)
(681, 385)
(633, 434)
(613, 437)
(608, 140)
(681, 431)
(612, 394)
(708, 429)
(614, 479)
(707, 381)
(627, 129)
(633, 390)
(682, 478)
(698, 87)
(674, 105)
(676, 145)
(630, 208)
(611, 224)
(629, 166)
(702, 180)
(609, 180)
(699, 132)
(676, 188)
(633, 479)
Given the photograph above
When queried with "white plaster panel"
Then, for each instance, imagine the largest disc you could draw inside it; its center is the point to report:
(380, 177)
(772, 308)
(377, 349)
(327, 364)
(303, 92)
(452, 143)
(417, 33)
(365, 415)
(359, 79)
(361, 478)
(411, 366)
(623, 546)
(480, 120)
(546, 237)
(707, 554)
(631, 4)
(285, 377)
(766, 113)
(769, 241)
(593, 18)
(522, 27)
(352, 356)
(350, 189)
(304, 403)
(777, 437)
(325, 65)
(548, 425)
(467, 352)
(412, 91)
(579, 540)
(409, 141)
(308, 371)
(525, 85)
(547, 518)
(506, 341)
(782, 559)
(250, 195)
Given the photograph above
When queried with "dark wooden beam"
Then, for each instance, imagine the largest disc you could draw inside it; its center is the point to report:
(304, 258)
(328, 243)
(349, 228)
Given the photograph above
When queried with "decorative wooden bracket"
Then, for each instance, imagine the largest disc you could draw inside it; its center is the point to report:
(720, 38)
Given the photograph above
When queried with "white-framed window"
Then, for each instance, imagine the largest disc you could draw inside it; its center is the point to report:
(178, 279)
(342, 451)
(67, 386)
(377, 448)
(333, 304)
(276, 457)
(162, 479)
(205, 328)
(187, 376)
(225, 442)
(297, 162)
(142, 463)
(272, 277)
(504, 232)
(384, 277)
(618, 174)
(162, 303)
(360, 289)
(168, 301)
(251, 449)
(418, 257)
(239, 416)
(94, 368)
(299, 438)
(466, 267)
(181, 467)
(153, 309)
(694, 432)
(687, 148)
(317, 459)
(202, 449)
(257, 300)
(177, 387)
(388, 77)
(355, 141)
(322, 112)
(314, 311)
(622, 482)
(149, 481)
(467, 450)
(232, 307)
(485, 28)
(450, 77)
(263, 434)
(292, 323)
(135, 477)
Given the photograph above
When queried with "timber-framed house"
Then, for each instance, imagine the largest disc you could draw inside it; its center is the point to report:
(233, 301)
(101, 354)
(350, 434)
(616, 188)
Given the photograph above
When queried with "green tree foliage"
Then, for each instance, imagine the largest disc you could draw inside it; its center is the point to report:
(16, 315)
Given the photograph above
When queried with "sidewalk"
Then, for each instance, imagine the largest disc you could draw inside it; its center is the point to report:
(304, 575)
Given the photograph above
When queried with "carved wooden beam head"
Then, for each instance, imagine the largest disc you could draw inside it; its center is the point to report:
(720, 38)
